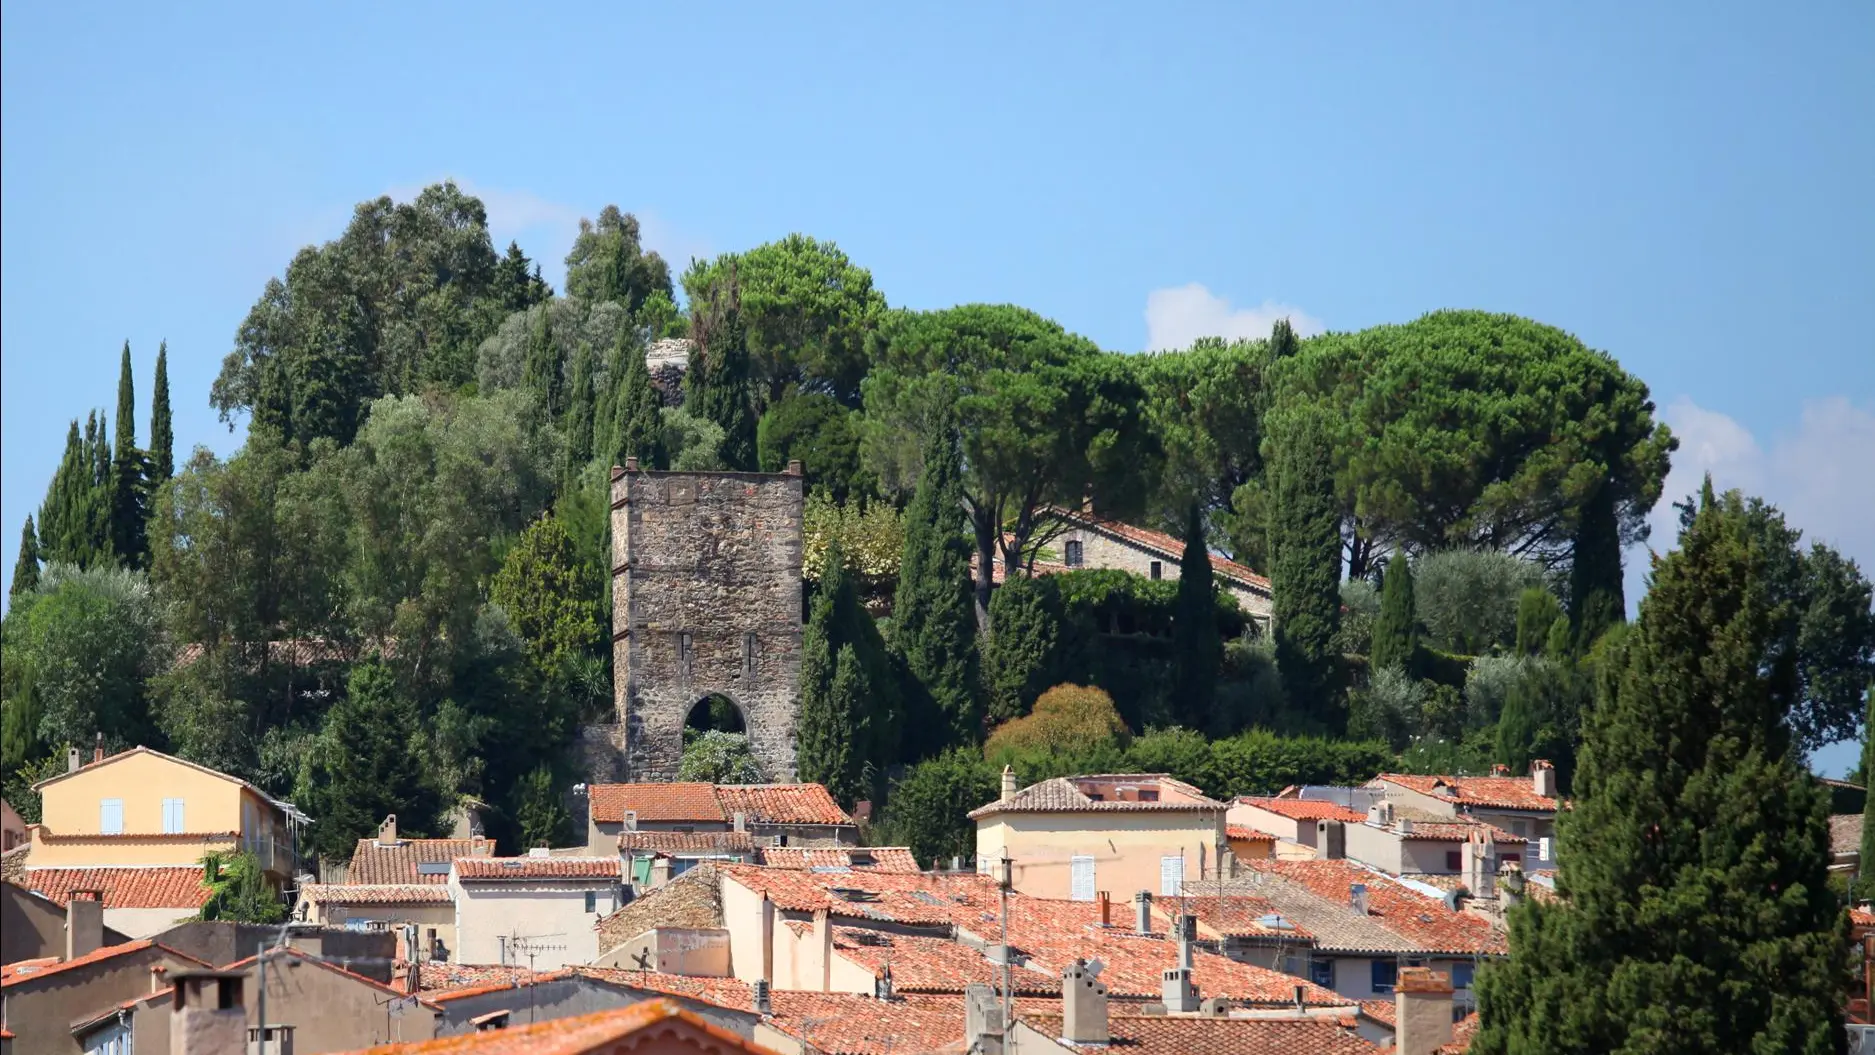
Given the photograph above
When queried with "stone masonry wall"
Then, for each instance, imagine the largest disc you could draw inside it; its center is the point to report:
(1099, 550)
(706, 598)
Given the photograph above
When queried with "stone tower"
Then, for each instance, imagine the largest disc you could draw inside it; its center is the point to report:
(706, 600)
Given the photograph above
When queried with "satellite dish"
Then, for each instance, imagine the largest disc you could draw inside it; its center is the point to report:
(1094, 967)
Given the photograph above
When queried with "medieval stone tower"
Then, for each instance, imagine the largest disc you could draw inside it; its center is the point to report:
(706, 601)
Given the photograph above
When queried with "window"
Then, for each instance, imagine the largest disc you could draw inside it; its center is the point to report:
(1516, 858)
(1454, 861)
(1322, 973)
(1073, 557)
(592, 901)
(748, 654)
(1158, 570)
(683, 647)
(1171, 876)
(1148, 794)
(1519, 828)
(111, 816)
(1462, 972)
(1081, 878)
(173, 823)
(1386, 972)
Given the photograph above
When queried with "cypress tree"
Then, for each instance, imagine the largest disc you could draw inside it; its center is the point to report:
(1696, 913)
(725, 392)
(1197, 650)
(367, 762)
(324, 390)
(1396, 631)
(580, 410)
(636, 410)
(1305, 565)
(162, 429)
(1537, 612)
(541, 370)
(849, 724)
(26, 567)
(1865, 869)
(933, 613)
(1595, 592)
(127, 484)
(1022, 656)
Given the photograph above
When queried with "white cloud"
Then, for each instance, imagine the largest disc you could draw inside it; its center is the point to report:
(1179, 315)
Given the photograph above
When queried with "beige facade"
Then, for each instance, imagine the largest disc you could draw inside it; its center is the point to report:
(792, 950)
(142, 807)
(1126, 853)
(435, 920)
(543, 923)
(696, 951)
(1390, 850)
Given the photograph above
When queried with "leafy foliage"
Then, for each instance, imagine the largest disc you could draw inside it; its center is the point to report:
(79, 651)
(823, 435)
(851, 714)
(870, 537)
(238, 890)
(608, 263)
(717, 757)
(1070, 720)
(549, 594)
(1021, 656)
(26, 565)
(1196, 646)
(1468, 599)
(367, 762)
(929, 803)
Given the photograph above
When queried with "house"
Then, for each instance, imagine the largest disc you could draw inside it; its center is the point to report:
(139, 901)
(538, 911)
(1083, 539)
(1404, 846)
(388, 858)
(142, 808)
(1121, 832)
(650, 1027)
(12, 828)
(1301, 828)
(43, 998)
(766, 814)
(1248, 844)
(33, 926)
(693, 901)
(1523, 806)
(394, 882)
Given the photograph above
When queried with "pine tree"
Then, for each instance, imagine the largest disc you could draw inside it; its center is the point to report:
(1197, 650)
(26, 567)
(539, 809)
(127, 476)
(723, 394)
(272, 415)
(1696, 913)
(580, 410)
(850, 711)
(1396, 631)
(365, 764)
(323, 392)
(1305, 568)
(162, 429)
(638, 431)
(541, 371)
(933, 613)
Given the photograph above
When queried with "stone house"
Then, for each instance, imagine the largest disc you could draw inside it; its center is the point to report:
(536, 911)
(1069, 837)
(1083, 539)
(389, 907)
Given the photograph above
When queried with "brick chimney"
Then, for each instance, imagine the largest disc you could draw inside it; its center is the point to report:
(84, 923)
(1422, 1011)
(1543, 778)
(209, 1016)
(1105, 900)
(1083, 1005)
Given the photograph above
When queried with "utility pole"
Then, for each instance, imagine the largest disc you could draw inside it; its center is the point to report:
(1005, 880)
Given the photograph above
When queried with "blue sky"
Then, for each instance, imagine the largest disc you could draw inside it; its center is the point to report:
(1684, 186)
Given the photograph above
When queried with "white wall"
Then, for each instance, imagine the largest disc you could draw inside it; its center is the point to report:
(550, 915)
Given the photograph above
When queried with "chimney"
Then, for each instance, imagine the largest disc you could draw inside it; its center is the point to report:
(1105, 901)
(741, 821)
(823, 940)
(1404, 825)
(1009, 784)
(1083, 1005)
(479, 846)
(84, 923)
(768, 938)
(1177, 991)
(794, 466)
(73, 760)
(629, 820)
(983, 1019)
(1422, 1011)
(1543, 778)
(387, 832)
(1331, 840)
(159, 977)
(1087, 502)
(1187, 927)
(763, 1004)
(1215, 1007)
(1499, 769)
(882, 984)
(1357, 897)
(1142, 921)
(631, 463)
(1478, 856)
(209, 1016)
(660, 870)
(97, 751)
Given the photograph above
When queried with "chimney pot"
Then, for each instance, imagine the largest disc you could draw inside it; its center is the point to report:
(1543, 778)
(1083, 1006)
(631, 463)
(794, 466)
(73, 760)
(1178, 992)
(1106, 907)
(209, 1014)
(387, 832)
(763, 1004)
(1142, 921)
(97, 752)
(1009, 784)
(741, 821)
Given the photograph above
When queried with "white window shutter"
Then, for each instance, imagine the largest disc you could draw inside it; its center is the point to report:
(1081, 878)
(111, 816)
(1171, 876)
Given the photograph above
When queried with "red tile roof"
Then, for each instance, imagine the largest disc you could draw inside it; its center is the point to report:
(33, 970)
(497, 868)
(781, 803)
(1076, 795)
(926, 964)
(1422, 920)
(1302, 809)
(655, 803)
(451, 976)
(654, 1025)
(846, 1024)
(376, 863)
(894, 897)
(143, 886)
(1462, 1032)
(1236, 916)
(444, 996)
(1239, 831)
(680, 842)
(375, 894)
(723, 992)
(1381, 1010)
(1512, 793)
(26, 967)
(1459, 831)
(1169, 1035)
(883, 858)
(309, 958)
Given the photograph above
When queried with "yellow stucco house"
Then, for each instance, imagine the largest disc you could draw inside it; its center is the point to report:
(1070, 837)
(143, 808)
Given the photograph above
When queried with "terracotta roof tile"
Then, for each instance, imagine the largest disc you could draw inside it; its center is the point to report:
(892, 897)
(26, 967)
(444, 996)
(1302, 809)
(1421, 921)
(1069, 795)
(1514, 793)
(1169, 1035)
(1459, 831)
(24, 971)
(1381, 1010)
(692, 900)
(781, 803)
(178, 887)
(655, 803)
(375, 894)
(655, 1024)
(1236, 916)
(846, 1024)
(874, 859)
(1249, 834)
(375, 863)
(1462, 1032)
(723, 992)
(451, 976)
(1845, 833)
(927, 964)
(499, 868)
(678, 842)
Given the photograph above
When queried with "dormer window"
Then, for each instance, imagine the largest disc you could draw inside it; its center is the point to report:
(1148, 794)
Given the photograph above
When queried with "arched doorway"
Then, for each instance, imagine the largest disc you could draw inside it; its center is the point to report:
(714, 712)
